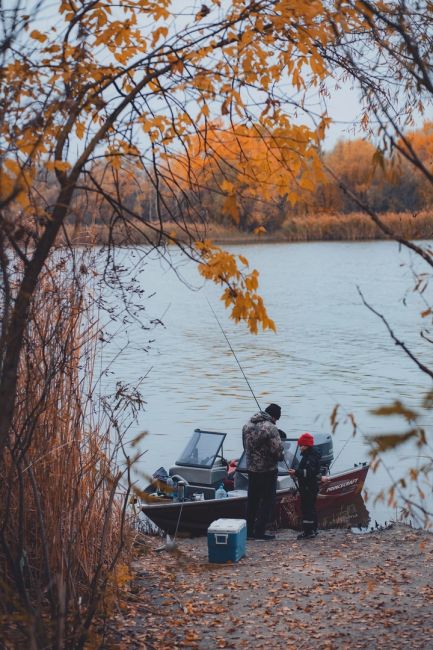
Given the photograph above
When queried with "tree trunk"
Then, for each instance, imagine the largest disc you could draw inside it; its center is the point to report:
(16, 326)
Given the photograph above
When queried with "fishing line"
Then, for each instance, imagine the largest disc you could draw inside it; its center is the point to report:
(339, 453)
(234, 354)
(248, 383)
(317, 383)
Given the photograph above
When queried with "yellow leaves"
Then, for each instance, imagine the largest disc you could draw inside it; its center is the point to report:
(397, 408)
(297, 79)
(260, 230)
(204, 80)
(59, 165)
(226, 186)
(80, 129)
(204, 11)
(29, 143)
(124, 55)
(38, 36)
(67, 8)
(306, 183)
(333, 418)
(160, 11)
(7, 186)
(252, 281)
(230, 207)
(115, 161)
(317, 65)
(240, 295)
(256, 168)
(12, 166)
(225, 107)
(160, 32)
(390, 441)
(204, 111)
(293, 197)
(365, 120)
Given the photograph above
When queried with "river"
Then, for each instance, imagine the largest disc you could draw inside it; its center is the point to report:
(329, 349)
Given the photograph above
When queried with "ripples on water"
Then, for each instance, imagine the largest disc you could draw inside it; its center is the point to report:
(329, 349)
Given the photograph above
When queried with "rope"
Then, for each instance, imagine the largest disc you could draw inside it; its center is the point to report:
(178, 520)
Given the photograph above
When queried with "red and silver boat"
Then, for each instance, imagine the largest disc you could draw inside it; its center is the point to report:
(184, 498)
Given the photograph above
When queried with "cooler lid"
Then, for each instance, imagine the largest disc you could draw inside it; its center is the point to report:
(227, 525)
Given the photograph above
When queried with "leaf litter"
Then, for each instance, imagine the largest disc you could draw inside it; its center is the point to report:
(338, 591)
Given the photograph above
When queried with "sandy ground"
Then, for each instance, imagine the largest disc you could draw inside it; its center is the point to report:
(340, 590)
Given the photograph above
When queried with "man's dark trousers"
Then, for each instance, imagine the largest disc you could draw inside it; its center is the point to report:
(261, 500)
(309, 514)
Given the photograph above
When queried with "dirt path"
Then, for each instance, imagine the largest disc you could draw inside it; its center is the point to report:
(340, 590)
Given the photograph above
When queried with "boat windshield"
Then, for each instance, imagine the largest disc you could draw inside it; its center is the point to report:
(290, 448)
(202, 449)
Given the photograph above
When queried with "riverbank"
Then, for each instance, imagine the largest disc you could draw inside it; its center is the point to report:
(339, 591)
(322, 227)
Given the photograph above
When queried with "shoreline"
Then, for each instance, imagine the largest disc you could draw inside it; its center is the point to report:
(338, 591)
(354, 227)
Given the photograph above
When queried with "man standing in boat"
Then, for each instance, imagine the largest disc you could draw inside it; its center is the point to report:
(309, 477)
(263, 448)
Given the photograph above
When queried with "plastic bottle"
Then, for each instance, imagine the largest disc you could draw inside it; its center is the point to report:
(170, 487)
(220, 493)
(181, 490)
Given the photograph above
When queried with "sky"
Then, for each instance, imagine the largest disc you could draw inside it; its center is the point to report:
(343, 105)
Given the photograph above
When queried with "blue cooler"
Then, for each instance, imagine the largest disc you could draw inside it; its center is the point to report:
(226, 540)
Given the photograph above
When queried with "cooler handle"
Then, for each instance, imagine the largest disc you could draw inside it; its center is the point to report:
(221, 539)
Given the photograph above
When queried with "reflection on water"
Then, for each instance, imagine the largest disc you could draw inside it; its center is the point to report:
(329, 349)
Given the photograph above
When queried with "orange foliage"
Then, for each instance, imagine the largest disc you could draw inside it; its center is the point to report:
(249, 174)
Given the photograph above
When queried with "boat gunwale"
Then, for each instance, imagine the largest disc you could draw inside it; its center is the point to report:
(281, 492)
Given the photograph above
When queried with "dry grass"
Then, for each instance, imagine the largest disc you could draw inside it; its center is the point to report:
(63, 534)
(357, 226)
(320, 227)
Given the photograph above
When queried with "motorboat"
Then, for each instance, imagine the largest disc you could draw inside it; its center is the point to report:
(202, 486)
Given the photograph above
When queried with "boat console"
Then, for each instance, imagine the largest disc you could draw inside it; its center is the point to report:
(202, 463)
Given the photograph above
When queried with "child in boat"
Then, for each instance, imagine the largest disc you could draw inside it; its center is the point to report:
(309, 478)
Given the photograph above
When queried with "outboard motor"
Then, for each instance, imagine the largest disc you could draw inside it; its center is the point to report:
(324, 444)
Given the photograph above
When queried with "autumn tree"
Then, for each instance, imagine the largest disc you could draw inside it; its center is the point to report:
(249, 174)
(419, 141)
(109, 82)
(94, 93)
(390, 62)
(353, 162)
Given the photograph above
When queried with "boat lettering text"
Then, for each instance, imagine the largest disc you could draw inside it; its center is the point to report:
(338, 486)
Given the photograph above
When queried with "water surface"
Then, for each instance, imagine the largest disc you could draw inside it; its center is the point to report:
(329, 349)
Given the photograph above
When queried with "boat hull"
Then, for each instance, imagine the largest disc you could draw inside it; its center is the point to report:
(195, 517)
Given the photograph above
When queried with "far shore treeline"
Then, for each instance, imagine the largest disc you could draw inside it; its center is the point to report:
(233, 202)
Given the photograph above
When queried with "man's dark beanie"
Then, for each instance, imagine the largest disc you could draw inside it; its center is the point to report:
(274, 411)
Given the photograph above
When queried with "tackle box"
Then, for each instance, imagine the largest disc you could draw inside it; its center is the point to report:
(226, 540)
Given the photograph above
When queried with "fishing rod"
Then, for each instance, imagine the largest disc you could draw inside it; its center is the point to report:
(246, 379)
(234, 354)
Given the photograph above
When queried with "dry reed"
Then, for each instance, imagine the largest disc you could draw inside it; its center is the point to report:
(318, 227)
(357, 226)
(64, 535)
